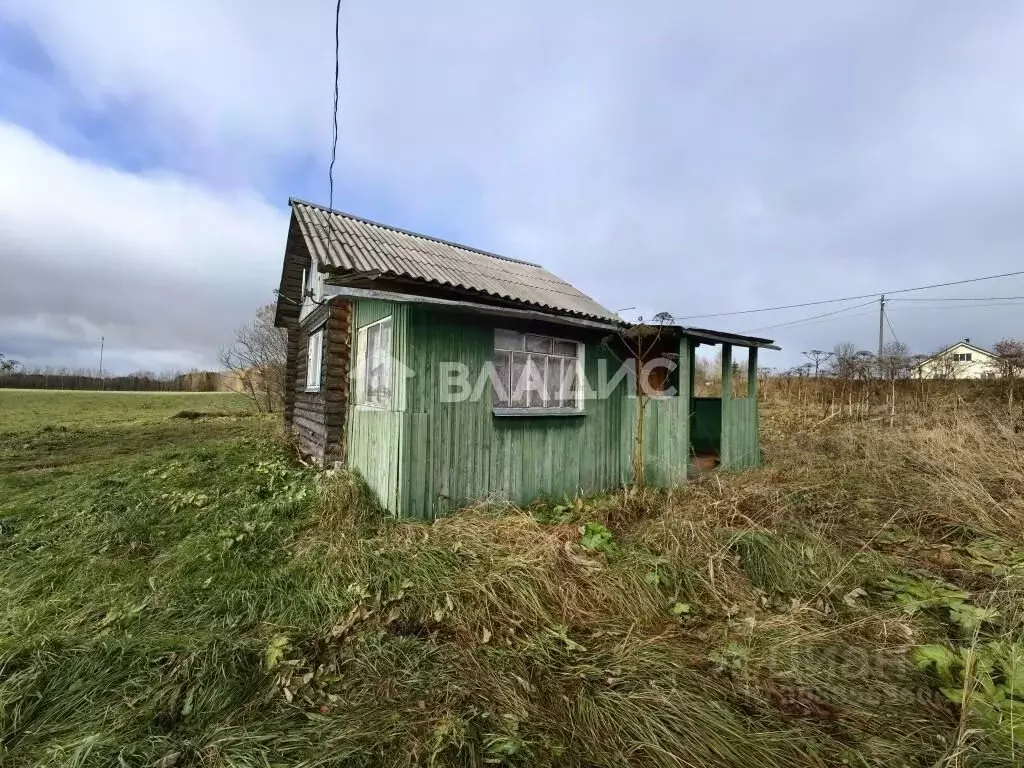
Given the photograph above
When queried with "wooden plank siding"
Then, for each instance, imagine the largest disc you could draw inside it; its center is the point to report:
(740, 444)
(740, 439)
(375, 435)
(425, 457)
(667, 429)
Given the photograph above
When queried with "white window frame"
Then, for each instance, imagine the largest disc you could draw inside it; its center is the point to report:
(362, 398)
(314, 360)
(544, 407)
(316, 283)
(311, 291)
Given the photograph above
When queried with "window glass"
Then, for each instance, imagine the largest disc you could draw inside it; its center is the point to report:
(502, 388)
(564, 348)
(535, 378)
(533, 371)
(374, 387)
(568, 391)
(508, 340)
(314, 353)
(520, 384)
(538, 344)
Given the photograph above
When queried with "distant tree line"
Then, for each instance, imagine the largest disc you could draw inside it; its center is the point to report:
(254, 365)
(15, 376)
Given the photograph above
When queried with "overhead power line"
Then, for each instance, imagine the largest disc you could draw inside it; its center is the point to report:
(334, 140)
(965, 298)
(812, 317)
(983, 305)
(853, 298)
(889, 324)
(835, 315)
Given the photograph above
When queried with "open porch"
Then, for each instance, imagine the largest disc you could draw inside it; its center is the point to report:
(683, 433)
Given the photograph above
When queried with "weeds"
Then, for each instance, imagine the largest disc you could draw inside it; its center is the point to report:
(203, 600)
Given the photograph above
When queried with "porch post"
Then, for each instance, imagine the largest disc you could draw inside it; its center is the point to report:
(726, 449)
(691, 362)
(683, 409)
(752, 372)
(754, 446)
(726, 372)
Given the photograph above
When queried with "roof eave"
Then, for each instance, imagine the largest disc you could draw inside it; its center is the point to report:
(331, 291)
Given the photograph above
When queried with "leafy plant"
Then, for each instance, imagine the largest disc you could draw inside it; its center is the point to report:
(734, 656)
(988, 678)
(916, 595)
(275, 650)
(680, 609)
(597, 538)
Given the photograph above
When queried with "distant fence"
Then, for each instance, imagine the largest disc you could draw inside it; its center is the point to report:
(200, 381)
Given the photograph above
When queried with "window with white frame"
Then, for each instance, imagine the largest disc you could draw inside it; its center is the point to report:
(314, 357)
(312, 283)
(373, 364)
(533, 371)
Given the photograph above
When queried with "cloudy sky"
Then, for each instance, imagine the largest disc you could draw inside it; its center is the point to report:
(686, 157)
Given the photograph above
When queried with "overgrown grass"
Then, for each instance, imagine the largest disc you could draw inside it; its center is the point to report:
(201, 600)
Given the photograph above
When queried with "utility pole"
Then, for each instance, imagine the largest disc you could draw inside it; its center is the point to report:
(101, 363)
(881, 331)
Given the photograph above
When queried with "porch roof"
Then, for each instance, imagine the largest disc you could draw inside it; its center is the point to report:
(705, 335)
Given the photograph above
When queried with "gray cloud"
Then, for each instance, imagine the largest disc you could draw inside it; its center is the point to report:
(161, 266)
(690, 158)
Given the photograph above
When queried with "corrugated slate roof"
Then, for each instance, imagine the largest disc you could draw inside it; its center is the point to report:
(361, 245)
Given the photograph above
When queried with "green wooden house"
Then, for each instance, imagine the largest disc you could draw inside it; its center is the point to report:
(444, 374)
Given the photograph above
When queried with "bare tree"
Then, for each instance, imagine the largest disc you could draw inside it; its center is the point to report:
(896, 360)
(863, 365)
(818, 357)
(801, 371)
(255, 360)
(844, 365)
(1009, 363)
(8, 365)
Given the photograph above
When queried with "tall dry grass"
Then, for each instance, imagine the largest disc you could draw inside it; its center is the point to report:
(219, 607)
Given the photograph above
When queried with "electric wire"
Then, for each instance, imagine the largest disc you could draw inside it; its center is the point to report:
(812, 317)
(334, 139)
(854, 298)
(963, 298)
(885, 316)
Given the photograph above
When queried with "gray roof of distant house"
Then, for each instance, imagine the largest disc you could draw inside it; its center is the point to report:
(360, 245)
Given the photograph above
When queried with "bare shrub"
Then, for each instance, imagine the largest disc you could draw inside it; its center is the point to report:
(255, 360)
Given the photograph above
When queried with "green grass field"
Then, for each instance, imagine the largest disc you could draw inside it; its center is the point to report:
(22, 409)
(180, 592)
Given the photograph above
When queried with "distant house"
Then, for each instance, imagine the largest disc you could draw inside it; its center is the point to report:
(962, 360)
(444, 374)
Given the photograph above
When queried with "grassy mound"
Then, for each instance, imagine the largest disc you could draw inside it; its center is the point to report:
(203, 601)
